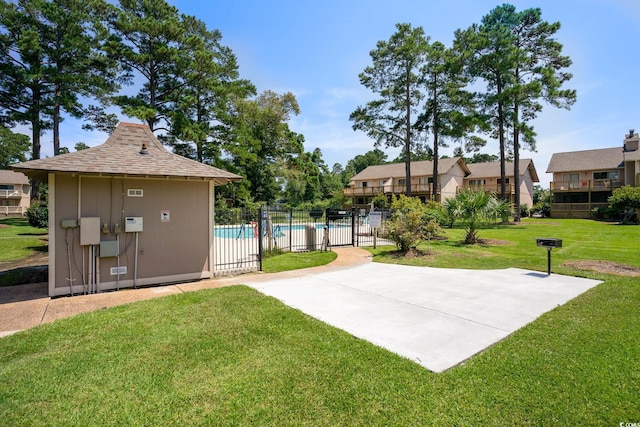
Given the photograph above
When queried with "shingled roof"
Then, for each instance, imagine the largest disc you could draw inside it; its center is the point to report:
(420, 168)
(123, 155)
(492, 169)
(587, 160)
(11, 177)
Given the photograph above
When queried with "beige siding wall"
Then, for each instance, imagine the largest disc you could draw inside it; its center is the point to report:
(167, 251)
(526, 189)
(450, 182)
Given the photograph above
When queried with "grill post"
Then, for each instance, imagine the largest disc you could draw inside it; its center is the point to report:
(549, 243)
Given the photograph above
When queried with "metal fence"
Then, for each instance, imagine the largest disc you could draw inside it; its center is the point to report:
(243, 237)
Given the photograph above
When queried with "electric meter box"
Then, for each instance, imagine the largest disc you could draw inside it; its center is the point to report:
(133, 224)
(89, 231)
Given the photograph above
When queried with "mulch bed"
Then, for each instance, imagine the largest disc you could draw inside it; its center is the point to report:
(607, 267)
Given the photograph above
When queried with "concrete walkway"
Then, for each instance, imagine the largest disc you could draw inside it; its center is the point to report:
(26, 306)
(437, 317)
(434, 316)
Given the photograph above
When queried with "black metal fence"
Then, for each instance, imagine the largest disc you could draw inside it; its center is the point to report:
(243, 237)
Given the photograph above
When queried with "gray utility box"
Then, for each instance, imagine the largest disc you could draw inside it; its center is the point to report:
(310, 237)
(549, 242)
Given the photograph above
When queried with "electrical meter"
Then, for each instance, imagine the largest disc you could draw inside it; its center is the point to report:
(133, 224)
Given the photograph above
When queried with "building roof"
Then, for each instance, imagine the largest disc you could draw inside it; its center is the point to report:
(492, 169)
(122, 154)
(575, 161)
(11, 177)
(420, 168)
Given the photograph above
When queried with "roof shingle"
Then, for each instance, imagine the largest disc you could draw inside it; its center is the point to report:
(11, 177)
(397, 170)
(575, 161)
(122, 154)
(492, 169)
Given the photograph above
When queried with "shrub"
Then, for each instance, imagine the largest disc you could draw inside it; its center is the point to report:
(380, 201)
(524, 210)
(38, 216)
(409, 223)
(542, 208)
(626, 200)
(433, 211)
(604, 214)
(473, 208)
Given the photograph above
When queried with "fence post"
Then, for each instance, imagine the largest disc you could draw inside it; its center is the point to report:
(353, 227)
(260, 239)
(290, 228)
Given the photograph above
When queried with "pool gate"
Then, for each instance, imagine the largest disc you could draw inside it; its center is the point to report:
(244, 237)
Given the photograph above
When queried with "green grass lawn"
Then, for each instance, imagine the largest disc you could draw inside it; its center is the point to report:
(233, 356)
(515, 246)
(295, 260)
(19, 240)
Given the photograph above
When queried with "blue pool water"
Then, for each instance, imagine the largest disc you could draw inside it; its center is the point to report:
(247, 231)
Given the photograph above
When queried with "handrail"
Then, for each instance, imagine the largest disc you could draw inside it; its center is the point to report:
(387, 189)
(11, 193)
(587, 184)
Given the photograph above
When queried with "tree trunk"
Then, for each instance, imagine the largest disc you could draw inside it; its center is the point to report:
(503, 189)
(407, 142)
(56, 124)
(516, 163)
(434, 195)
(35, 138)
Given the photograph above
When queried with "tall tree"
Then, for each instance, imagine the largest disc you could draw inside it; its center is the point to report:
(211, 82)
(262, 142)
(24, 89)
(396, 78)
(13, 147)
(448, 111)
(77, 66)
(487, 50)
(361, 161)
(538, 75)
(147, 39)
(50, 50)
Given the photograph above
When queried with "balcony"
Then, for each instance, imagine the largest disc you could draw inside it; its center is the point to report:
(587, 185)
(496, 188)
(12, 210)
(574, 210)
(11, 194)
(416, 190)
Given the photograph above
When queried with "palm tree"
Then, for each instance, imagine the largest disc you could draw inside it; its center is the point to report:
(474, 208)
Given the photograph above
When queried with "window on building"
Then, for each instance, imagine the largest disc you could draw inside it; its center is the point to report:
(506, 181)
(402, 181)
(571, 177)
(478, 182)
(607, 175)
(364, 184)
(425, 180)
(6, 187)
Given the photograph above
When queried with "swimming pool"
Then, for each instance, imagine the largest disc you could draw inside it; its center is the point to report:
(246, 231)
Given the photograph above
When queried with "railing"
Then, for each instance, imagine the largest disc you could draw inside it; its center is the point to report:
(577, 206)
(587, 184)
(388, 189)
(495, 188)
(243, 237)
(11, 194)
(575, 210)
(12, 210)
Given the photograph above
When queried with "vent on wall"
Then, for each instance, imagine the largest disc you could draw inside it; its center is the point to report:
(134, 192)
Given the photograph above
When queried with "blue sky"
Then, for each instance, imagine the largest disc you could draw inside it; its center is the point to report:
(316, 49)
